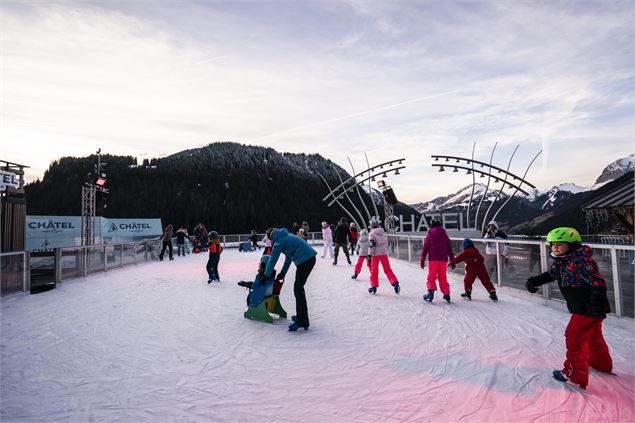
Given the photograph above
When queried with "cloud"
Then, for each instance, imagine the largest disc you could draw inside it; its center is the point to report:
(338, 79)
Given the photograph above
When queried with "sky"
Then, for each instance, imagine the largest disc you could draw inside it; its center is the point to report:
(342, 79)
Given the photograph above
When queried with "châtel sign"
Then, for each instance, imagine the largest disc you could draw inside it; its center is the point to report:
(8, 179)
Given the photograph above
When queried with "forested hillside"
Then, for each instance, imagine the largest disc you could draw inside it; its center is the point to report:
(229, 187)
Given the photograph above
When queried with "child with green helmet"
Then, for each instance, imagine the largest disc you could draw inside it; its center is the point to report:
(584, 290)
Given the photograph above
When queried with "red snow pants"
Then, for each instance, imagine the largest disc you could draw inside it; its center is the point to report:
(374, 270)
(437, 269)
(585, 347)
(359, 264)
(473, 271)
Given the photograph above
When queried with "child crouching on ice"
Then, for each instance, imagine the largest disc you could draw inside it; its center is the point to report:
(363, 244)
(474, 267)
(584, 289)
(258, 289)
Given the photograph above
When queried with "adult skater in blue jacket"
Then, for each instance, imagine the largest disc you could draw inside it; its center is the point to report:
(303, 255)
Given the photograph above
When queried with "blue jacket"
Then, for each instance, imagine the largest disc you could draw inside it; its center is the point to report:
(293, 247)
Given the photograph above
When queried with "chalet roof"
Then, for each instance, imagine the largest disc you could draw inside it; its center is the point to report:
(621, 196)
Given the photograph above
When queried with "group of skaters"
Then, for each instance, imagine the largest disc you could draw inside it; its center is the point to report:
(573, 267)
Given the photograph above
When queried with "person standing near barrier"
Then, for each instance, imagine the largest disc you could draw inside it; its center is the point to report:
(327, 237)
(584, 290)
(181, 236)
(438, 248)
(341, 236)
(167, 242)
(493, 232)
(298, 251)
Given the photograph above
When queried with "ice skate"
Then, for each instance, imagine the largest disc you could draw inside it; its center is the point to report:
(429, 296)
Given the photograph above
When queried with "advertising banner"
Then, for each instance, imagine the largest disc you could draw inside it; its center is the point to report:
(44, 233)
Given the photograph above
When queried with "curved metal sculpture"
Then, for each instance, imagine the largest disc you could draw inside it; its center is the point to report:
(370, 174)
(507, 178)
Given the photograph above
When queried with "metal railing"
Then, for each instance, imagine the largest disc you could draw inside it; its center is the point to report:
(517, 259)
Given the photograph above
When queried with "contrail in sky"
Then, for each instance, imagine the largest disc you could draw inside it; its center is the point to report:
(391, 106)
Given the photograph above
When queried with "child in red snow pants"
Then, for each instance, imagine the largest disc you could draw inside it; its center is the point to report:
(436, 269)
(585, 347)
(374, 270)
(472, 271)
(360, 263)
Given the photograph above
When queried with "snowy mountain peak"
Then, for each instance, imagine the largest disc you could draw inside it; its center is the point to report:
(616, 169)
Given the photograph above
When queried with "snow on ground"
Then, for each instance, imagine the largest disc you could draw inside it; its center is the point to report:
(156, 343)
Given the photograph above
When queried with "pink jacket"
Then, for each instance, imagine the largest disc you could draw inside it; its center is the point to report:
(378, 243)
(437, 246)
(327, 235)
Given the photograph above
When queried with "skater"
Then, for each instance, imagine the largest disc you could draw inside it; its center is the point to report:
(259, 290)
(267, 243)
(378, 249)
(167, 242)
(305, 226)
(254, 239)
(302, 234)
(362, 253)
(295, 228)
(327, 237)
(301, 253)
(494, 232)
(215, 249)
(353, 235)
(181, 239)
(438, 248)
(474, 268)
(201, 234)
(341, 240)
(584, 290)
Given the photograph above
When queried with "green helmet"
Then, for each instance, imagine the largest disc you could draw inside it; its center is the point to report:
(564, 235)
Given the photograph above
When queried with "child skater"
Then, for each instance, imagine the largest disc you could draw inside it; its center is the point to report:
(362, 253)
(474, 268)
(584, 289)
(214, 257)
(267, 243)
(258, 289)
(437, 247)
(352, 236)
(378, 249)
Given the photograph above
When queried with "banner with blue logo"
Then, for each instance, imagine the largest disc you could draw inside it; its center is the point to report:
(44, 233)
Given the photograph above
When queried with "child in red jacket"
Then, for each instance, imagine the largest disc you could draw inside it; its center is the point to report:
(474, 268)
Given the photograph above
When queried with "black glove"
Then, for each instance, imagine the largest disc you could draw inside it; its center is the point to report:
(281, 276)
(598, 303)
(532, 284)
(595, 311)
(263, 278)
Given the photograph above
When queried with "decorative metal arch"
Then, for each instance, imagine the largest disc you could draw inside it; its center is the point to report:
(353, 183)
(508, 179)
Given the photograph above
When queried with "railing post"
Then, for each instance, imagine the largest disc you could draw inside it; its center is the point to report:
(544, 267)
(145, 250)
(57, 254)
(24, 273)
(105, 258)
(409, 250)
(499, 267)
(617, 291)
(122, 256)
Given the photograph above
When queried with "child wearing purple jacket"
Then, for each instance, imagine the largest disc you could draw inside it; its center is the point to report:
(438, 248)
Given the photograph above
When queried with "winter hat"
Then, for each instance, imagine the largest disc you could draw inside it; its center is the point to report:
(364, 232)
(434, 223)
(324, 224)
(213, 235)
(467, 243)
(374, 223)
(343, 220)
(301, 230)
(493, 223)
(353, 225)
